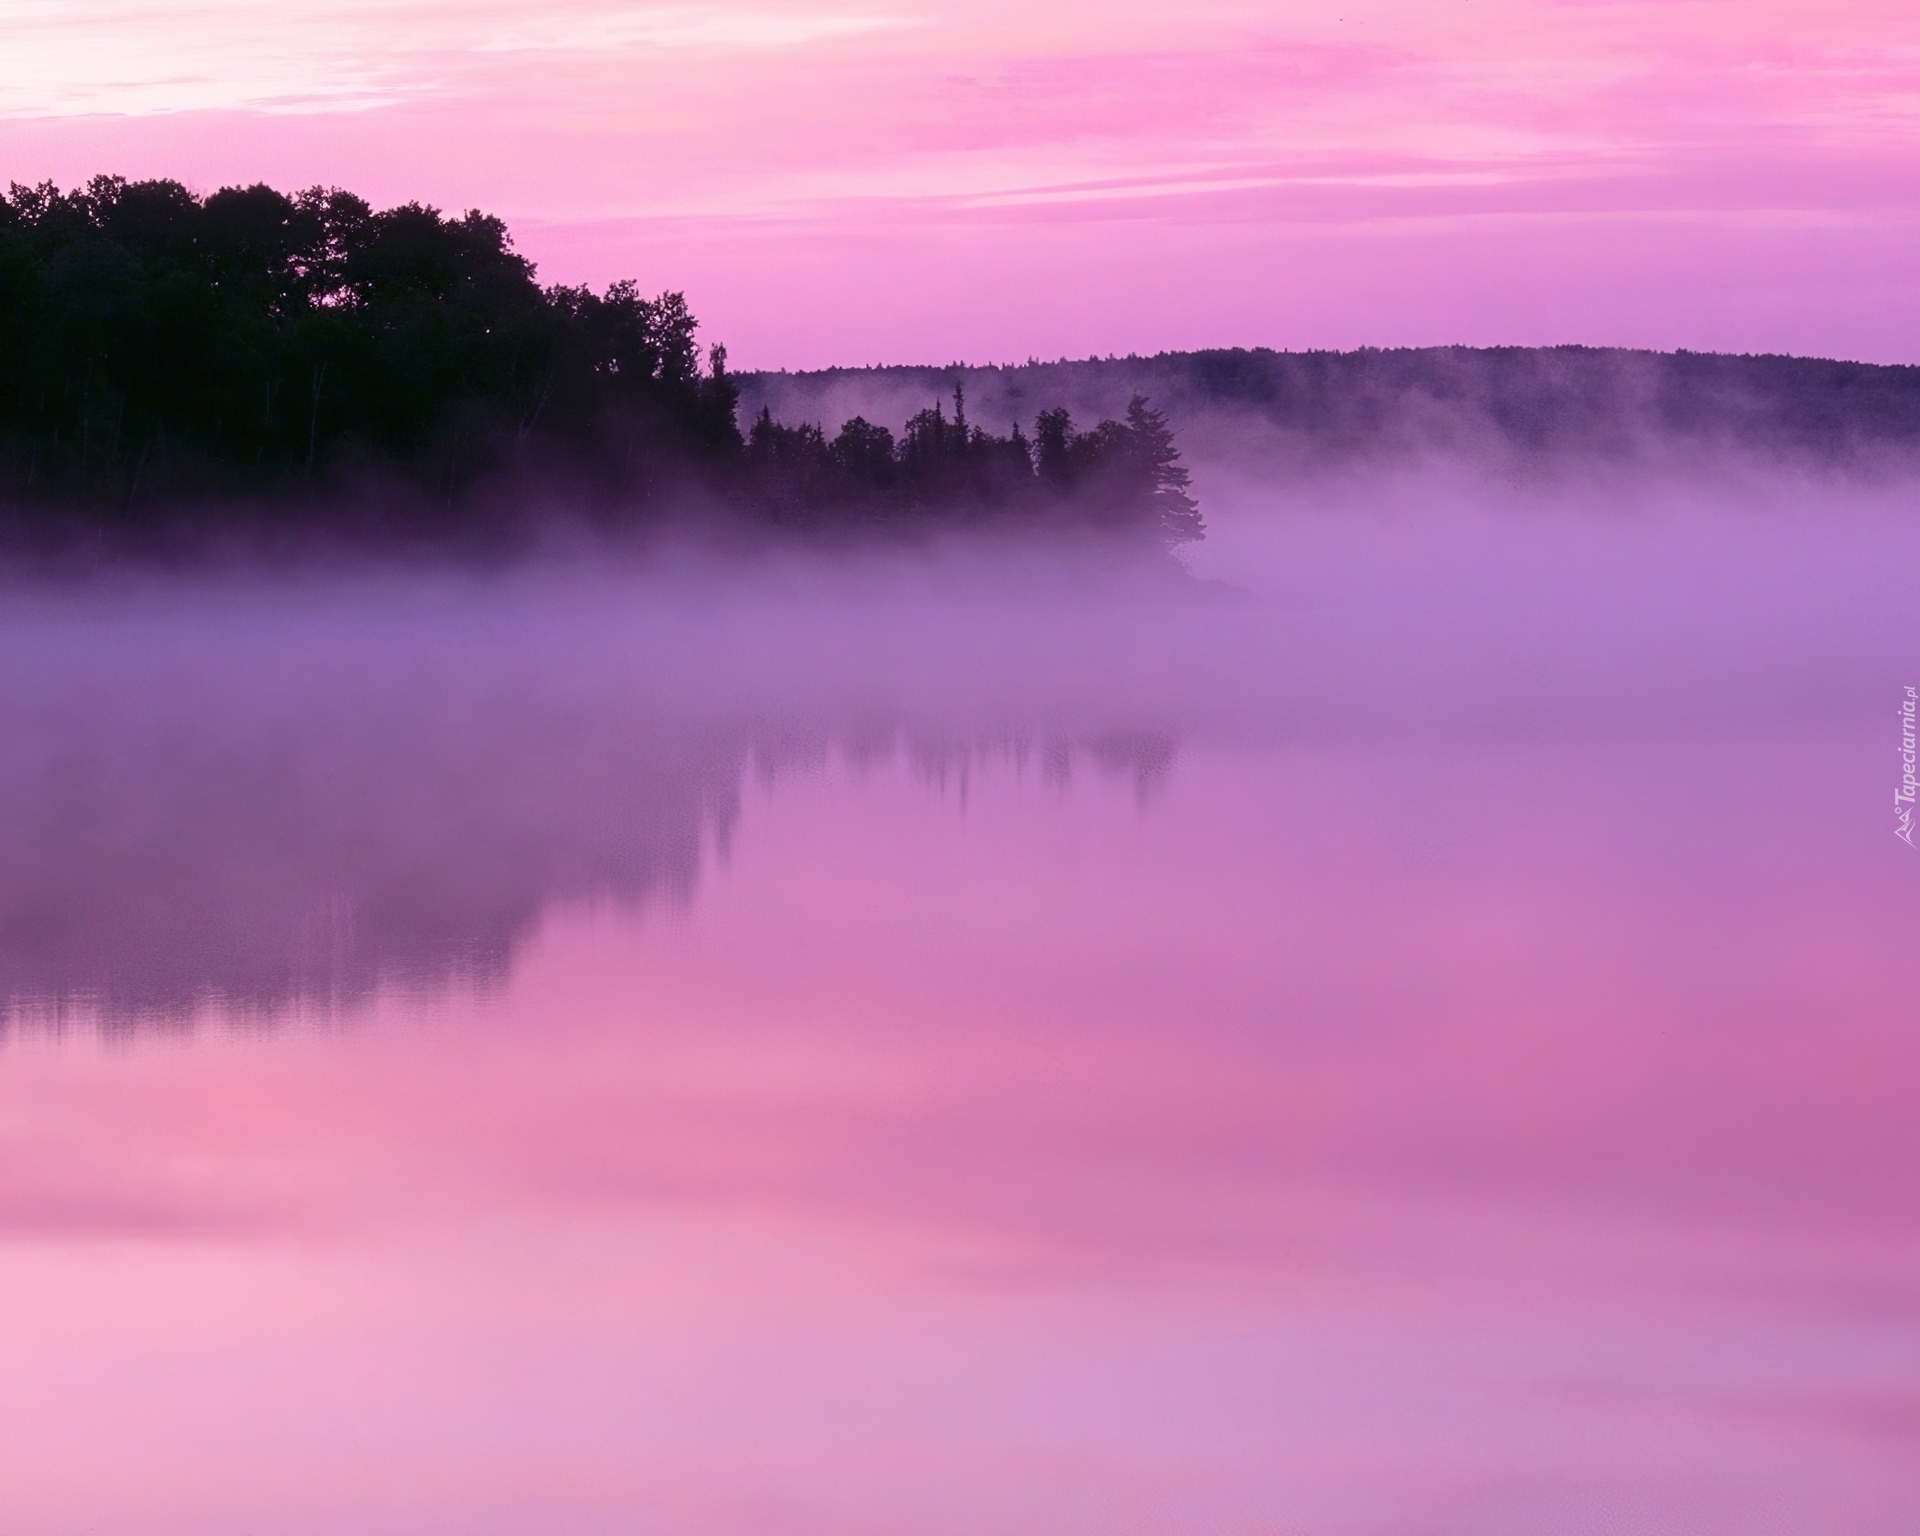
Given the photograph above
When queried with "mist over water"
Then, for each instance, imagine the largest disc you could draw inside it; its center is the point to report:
(280, 785)
(287, 786)
(1402, 1028)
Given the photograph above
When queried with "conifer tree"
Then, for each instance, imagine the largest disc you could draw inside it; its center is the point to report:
(1175, 514)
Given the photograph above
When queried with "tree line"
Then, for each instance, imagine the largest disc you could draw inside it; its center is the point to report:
(1120, 476)
(252, 352)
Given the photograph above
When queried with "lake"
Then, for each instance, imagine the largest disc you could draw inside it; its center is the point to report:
(1411, 1030)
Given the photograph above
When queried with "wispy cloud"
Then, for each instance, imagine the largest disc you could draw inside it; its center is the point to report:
(682, 27)
(111, 56)
(860, 118)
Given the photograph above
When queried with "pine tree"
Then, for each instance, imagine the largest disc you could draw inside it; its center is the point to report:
(1174, 512)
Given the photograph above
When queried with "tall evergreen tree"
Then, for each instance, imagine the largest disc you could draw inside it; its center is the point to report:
(1174, 514)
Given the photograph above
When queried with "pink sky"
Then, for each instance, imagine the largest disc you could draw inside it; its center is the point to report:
(849, 181)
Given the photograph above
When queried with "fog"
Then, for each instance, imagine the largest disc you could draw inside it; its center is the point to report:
(259, 787)
(1554, 415)
(1395, 1022)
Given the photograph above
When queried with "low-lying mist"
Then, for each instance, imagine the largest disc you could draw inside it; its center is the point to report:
(254, 787)
(1545, 413)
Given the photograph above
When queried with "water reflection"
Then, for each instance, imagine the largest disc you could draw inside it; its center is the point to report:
(1448, 1066)
(215, 795)
(147, 876)
(265, 790)
(1290, 1153)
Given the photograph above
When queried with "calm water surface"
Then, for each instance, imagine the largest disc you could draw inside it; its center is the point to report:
(1424, 1042)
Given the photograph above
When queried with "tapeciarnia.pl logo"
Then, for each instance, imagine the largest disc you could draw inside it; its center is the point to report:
(1903, 796)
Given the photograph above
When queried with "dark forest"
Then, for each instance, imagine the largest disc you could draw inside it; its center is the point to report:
(255, 356)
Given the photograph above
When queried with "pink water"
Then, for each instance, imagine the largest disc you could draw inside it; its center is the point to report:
(1425, 1048)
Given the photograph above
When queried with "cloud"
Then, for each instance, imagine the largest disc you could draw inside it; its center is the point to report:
(143, 58)
(1520, 161)
(680, 27)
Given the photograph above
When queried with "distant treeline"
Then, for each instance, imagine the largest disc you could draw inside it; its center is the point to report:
(165, 356)
(1124, 476)
(1277, 411)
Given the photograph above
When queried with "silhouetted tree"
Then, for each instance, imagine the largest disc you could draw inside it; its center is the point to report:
(1170, 509)
(162, 351)
(864, 454)
(155, 343)
(1052, 435)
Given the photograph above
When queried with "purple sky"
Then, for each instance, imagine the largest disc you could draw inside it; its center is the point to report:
(892, 180)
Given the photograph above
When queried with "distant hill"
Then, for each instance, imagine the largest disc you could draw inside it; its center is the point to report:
(1331, 408)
